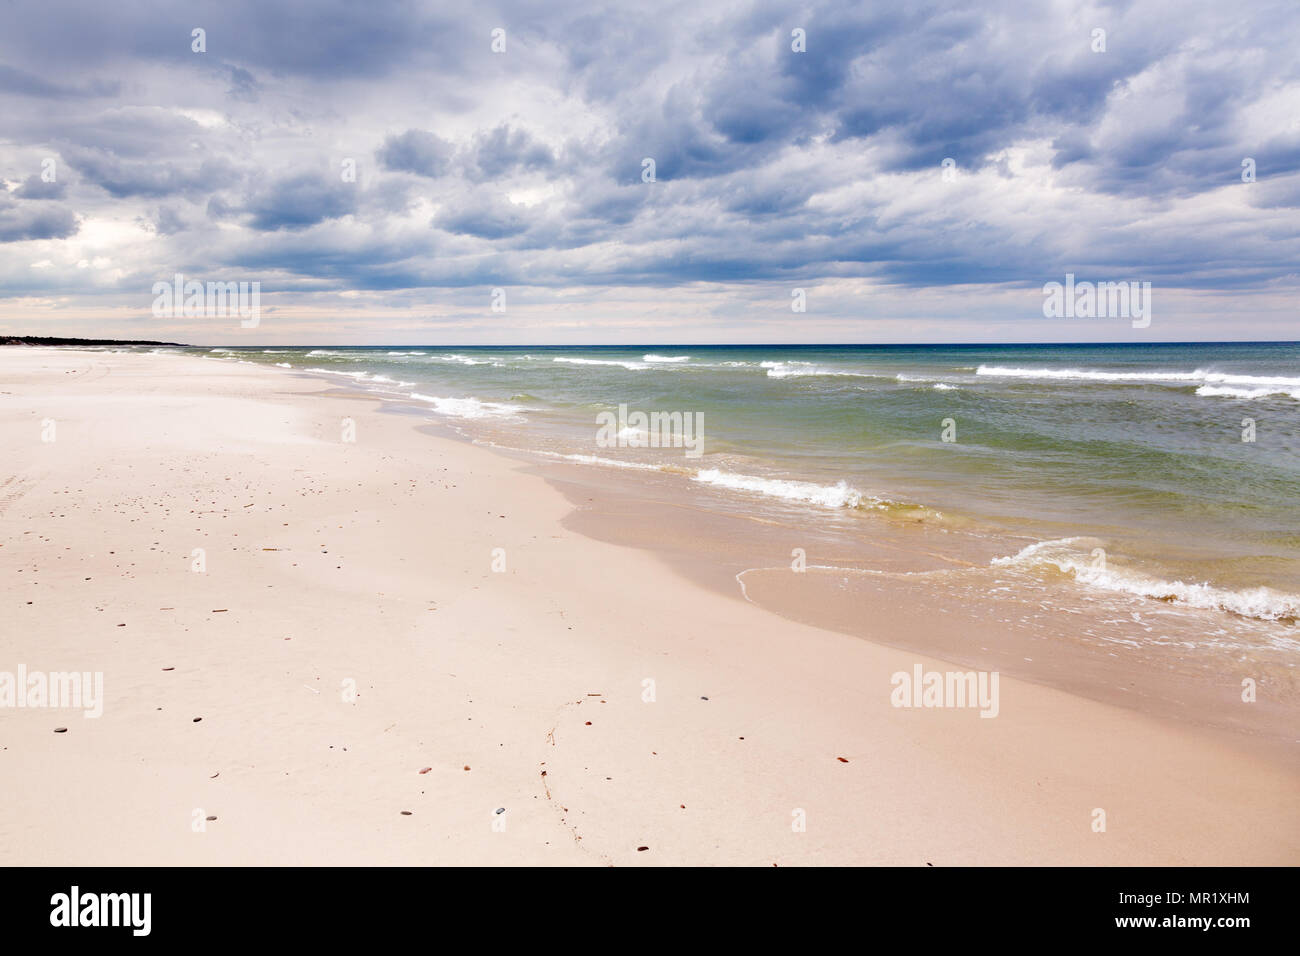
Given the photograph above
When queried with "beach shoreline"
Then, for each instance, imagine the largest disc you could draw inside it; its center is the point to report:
(482, 622)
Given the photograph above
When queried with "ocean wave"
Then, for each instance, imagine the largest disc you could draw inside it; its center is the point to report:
(607, 462)
(631, 366)
(934, 383)
(840, 495)
(665, 358)
(283, 365)
(1199, 376)
(462, 359)
(804, 369)
(407, 353)
(471, 407)
(369, 377)
(334, 371)
(1227, 391)
(321, 352)
(1068, 556)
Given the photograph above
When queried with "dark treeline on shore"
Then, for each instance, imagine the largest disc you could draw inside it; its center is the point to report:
(52, 340)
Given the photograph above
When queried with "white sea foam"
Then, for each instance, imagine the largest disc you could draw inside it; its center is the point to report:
(665, 358)
(283, 365)
(631, 366)
(334, 371)
(1227, 391)
(471, 407)
(608, 462)
(1070, 556)
(463, 359)
(804, 369)
(840, 495)
(1199, 376)
(321, 352)
(934, 383)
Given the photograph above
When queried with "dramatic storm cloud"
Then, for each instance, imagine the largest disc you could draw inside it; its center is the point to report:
(650, 172)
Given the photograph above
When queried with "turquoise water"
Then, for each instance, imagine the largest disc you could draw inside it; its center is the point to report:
(1134, 450)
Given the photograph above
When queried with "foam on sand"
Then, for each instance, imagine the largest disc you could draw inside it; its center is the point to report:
(839, 495)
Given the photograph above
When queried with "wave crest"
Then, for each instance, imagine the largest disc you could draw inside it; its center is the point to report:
(1068, 557)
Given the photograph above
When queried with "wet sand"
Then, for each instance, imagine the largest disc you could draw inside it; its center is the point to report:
(900, 585)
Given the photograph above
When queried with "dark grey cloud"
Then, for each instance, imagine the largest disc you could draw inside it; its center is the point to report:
(300, 200)
(123, 178)
(20, 221)
(483, 216)
(23, 83)
(416, 151)
(323, 39)
(168, 221)
(36, 187)
(502, 151)
(243, 85)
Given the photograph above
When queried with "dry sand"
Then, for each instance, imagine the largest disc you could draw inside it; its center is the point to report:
(369, 564)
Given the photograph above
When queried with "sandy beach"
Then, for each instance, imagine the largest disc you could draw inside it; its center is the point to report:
(351, 640)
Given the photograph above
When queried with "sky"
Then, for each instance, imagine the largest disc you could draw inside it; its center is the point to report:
(418, 173)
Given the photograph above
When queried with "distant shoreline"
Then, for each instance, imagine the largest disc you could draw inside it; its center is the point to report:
(52, 340)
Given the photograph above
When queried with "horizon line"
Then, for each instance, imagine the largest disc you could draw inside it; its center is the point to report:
(72, 341)
(806, 345)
